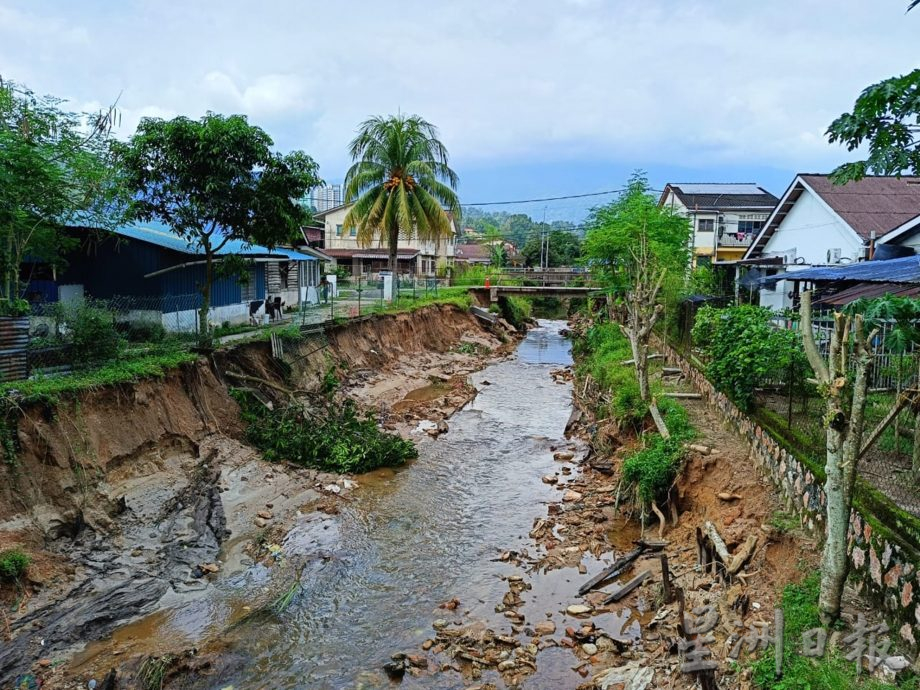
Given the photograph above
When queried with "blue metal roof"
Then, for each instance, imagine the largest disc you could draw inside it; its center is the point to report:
(903, 270)
(161, 236)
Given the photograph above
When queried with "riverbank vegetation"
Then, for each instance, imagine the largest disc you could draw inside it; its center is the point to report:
(323, 434)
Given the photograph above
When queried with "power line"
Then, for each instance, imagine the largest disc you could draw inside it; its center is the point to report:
(549, 198)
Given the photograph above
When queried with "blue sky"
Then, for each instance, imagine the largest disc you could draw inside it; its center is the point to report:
(533, 98)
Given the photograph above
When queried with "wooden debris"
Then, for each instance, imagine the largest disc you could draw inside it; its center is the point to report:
(659, 420)
(697, 448)
(743, 554)
(683, 396)
(716, 539)
(632, 361)
(628, 587)
(725, 496)
(617, 568)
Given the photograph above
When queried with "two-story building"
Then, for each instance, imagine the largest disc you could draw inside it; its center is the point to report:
(414, 256)
(724, 218)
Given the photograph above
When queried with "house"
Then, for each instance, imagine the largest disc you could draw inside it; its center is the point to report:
(154, 274)
(414, 256)
(818, 223)
(724, 217)
(473, 253)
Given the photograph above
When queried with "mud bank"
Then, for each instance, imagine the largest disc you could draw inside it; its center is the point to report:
(134, 497)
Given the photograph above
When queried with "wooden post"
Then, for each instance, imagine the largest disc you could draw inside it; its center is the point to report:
(666, 579)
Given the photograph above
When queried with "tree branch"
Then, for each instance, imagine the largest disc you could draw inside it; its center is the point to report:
(808, 340)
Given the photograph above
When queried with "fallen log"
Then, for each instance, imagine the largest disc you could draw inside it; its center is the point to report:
(659, 420)
(683, 396)
(718, 543)
(743, 555)
(632, 361)
(628, 587)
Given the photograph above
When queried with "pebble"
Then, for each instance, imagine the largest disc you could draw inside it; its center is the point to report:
(259, 522)
(550, 479)
(545, 628)
(427, 644)
(44, 663)
(265, 514)
(578, 610)
(507, 665)
(571, 496)
(439, 624)
(589, 649)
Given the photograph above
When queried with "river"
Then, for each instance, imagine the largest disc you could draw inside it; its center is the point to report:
(406, 541)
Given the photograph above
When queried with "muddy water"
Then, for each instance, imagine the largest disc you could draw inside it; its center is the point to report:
(406, 541)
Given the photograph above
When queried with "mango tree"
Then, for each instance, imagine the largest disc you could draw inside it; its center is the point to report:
(216, 180)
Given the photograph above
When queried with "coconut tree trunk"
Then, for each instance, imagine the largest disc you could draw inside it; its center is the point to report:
(844, 421)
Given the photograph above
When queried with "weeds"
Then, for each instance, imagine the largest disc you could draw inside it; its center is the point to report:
(152, 672)
(830, 672)
(13, 564)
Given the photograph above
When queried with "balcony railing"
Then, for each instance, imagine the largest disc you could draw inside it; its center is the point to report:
(733, 240)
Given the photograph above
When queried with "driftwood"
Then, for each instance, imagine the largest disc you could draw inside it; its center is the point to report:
(618, 567)
(628, 587)
(742, 555)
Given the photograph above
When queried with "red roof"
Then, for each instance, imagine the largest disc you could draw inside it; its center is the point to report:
(878, 204)
(472, 252)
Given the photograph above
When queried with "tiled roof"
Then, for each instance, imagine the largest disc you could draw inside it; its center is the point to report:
(478, 252)
(402, 253)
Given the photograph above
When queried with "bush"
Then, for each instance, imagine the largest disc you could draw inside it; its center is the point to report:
(93, 334)
(745, 349)
(516, 311)
(653, 469)
(144, 331)
(13, 564)
(331, 437)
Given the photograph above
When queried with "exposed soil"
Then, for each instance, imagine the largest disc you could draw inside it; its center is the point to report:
(130, 496)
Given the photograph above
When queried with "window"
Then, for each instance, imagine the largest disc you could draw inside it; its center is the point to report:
(749, 227)
(338, 230)
(353, 232)
(705, 225)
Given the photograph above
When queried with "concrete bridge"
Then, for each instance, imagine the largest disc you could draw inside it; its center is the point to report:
(488, 295)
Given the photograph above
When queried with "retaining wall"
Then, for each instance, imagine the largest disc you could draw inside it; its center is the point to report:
(886, 571)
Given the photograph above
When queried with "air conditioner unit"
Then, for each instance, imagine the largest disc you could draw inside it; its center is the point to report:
(833, 255)
(789, 256)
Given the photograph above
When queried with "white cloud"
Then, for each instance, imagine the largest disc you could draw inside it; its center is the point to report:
(715, 83)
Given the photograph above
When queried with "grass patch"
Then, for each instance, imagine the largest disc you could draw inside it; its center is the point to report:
(13, 564)
(332, 436)
(51, 388)
(830, 672)
(456, 296)
(516, 311)
(783, 522)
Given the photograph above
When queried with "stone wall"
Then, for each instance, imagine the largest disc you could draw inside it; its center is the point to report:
(886, 571)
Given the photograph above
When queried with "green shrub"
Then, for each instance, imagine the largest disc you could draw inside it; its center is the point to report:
(13, 564)
(93, 334)
(516, 311)
(652, 470)
(744, 350)
(146, 331)
(332, 437)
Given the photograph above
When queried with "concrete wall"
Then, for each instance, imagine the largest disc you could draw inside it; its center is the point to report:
(886, 571)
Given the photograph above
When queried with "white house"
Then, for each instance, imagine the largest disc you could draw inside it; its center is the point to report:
(725, 217)
(818, 223)
(414, 257)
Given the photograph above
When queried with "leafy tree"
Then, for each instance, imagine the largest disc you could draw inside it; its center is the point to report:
(56, 170)
(215, 180)
(886, 116)
(633, 247)
(400, 183)
(564, 249)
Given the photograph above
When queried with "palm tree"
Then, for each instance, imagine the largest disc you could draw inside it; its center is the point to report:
(400, 183)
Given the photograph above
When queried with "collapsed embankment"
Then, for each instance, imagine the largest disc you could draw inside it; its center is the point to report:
(128, 494)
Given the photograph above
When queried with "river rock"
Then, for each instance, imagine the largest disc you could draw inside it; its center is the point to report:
(571, 496)
(545, 628)
(563, 455)
(589, 649)
(259, 522)
(507, 665)
(265, 514)
(210, 567)
(439, 624)
(578, 610)
(550, 479)
(442, 427)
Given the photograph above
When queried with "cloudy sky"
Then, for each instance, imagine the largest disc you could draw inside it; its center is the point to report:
(533, 97)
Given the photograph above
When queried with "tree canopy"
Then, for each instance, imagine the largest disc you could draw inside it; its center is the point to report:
(56, 170)
(400, 183)
(215, 180)
(616, 231)
(564, 249)
(886, 116)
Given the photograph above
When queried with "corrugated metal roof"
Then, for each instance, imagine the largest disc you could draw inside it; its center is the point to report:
(161, 236)
(904, 270)
(867, 291)
(719, 188)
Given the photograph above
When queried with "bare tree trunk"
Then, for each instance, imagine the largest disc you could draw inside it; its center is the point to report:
(204, 328)
(642, 313)
(844, 420)
(915, 464)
